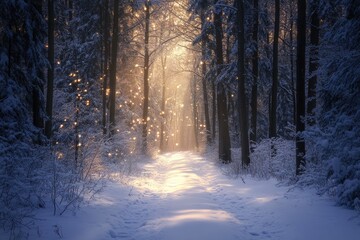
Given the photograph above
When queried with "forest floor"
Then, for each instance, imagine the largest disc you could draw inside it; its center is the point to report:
(184, 196)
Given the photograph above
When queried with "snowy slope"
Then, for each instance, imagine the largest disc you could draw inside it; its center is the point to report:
(183, 196)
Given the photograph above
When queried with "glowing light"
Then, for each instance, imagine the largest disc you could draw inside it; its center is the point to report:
(61, 125)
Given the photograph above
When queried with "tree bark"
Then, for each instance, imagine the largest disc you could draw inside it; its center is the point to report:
(255, 72)
(213, 90)
(224, 137)
(275, 70)
(146, 78)
(313, 62)
(114, 49)
(50, 73)
(300, 86)
(293, 89)
(106, 62)
(204, 83)
(163, 104)
(242, 101)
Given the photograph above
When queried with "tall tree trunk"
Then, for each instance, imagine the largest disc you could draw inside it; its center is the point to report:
(50, 73)
(163, 104)
(146, 78)
(313, 62)
(106, 62)
(213, 90)
(195, 112)
(224, 137)
(275, 70)
(255, 72)
(242, 101)
(38, 86)
(300, 86)
(204, 83)
(114, 49)
(292, 61)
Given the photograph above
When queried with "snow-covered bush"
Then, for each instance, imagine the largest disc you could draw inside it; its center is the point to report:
(281, 165)
(73, 183)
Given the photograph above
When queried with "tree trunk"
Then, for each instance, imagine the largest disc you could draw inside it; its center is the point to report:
(146, 78)
(38, 86)
(292, 62)
(275, 70)
(242, 101)
(106, 62)
(163, 104)
(204, 84)
(300, 86)
(224, 137)
(50, 73)
(114, 48)
(313, 62)
(255, 72)
(213, 90)
(195, 112)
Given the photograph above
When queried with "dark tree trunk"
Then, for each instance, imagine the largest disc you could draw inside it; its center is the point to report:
(50, 73)
(146, 79)
(242, 101)
(224, 137)
(114, 49)
(213, 90)
(37, 103)
(204, 84)
(292, 61)
(313, 62)
(255, 72)
(275, 70)
(106, 45)
(38, 86)
(300, 86)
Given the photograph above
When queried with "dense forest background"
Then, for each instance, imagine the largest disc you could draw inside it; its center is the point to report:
(273, 86)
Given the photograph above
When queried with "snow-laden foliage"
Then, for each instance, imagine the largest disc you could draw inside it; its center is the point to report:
(335, 143)
(21, 58)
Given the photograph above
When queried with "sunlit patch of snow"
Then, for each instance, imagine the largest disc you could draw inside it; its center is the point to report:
(193, 215)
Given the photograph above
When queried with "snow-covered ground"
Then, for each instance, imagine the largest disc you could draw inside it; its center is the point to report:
(183, 196)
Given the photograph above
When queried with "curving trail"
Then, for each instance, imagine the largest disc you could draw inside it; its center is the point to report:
(183, 196)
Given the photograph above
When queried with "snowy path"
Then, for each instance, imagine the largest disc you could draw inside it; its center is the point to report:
(183, 196)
